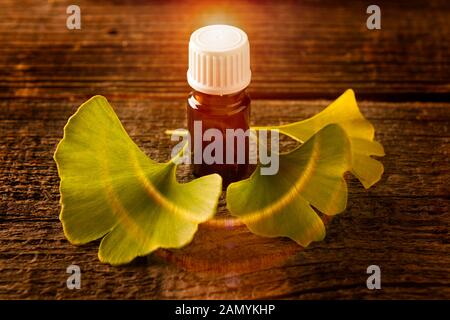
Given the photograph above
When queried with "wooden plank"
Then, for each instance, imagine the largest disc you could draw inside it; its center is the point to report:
(298, 50)
(135, 54)
(400, 224)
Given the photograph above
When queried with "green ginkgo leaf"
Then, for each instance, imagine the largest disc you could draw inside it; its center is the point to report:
(345, 112)
(111, 189)
(309, 176)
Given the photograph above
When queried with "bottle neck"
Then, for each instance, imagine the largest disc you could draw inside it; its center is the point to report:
(219, 100)
(217, 104)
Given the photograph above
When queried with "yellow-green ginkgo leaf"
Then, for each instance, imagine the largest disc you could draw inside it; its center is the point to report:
(111, 189)
(345, 112)
(309, 176)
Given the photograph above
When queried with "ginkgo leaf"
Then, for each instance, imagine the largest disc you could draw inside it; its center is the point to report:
(309, 176)
(345, 112)
(111, 189)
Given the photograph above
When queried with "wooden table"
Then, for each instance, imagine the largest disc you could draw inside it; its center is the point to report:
(304, 55)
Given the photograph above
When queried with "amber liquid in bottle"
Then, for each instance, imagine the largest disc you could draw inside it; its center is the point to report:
(220, 112)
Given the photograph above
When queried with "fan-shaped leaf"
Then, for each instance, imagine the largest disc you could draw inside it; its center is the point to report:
(311, 175)
(345, 112)
(110, 188)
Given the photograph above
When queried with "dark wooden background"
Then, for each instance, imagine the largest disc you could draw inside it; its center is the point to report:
(304, 55)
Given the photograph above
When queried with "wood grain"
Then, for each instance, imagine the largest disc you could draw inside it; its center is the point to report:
(298, 50)
(304, 54)
(400, 224)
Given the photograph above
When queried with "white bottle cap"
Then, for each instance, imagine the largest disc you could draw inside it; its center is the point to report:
(219, 60)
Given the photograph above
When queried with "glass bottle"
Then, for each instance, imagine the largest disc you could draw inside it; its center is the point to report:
(219, 73)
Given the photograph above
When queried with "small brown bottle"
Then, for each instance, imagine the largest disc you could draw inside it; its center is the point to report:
(218, 110)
